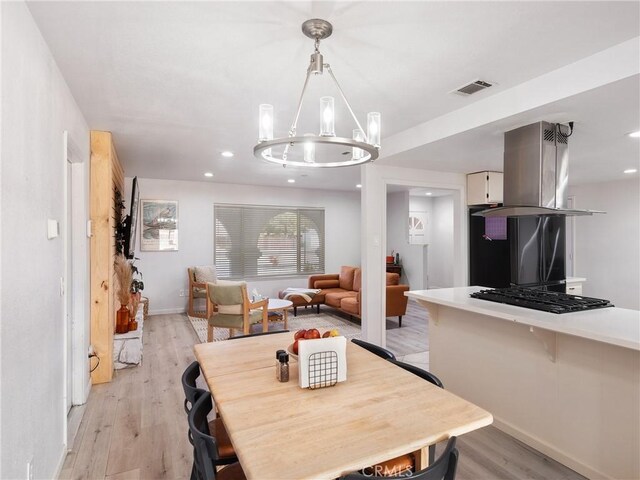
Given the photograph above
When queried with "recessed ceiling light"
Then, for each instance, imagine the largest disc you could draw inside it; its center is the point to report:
(291, 180)
(208, 174)
(358, 186)
(631, 170)
(635, 134)
(429, 194)
(227, 154)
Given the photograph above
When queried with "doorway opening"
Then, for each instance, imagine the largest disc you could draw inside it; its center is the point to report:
(420, 240)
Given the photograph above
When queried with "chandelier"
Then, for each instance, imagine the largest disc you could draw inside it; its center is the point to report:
(324, 149)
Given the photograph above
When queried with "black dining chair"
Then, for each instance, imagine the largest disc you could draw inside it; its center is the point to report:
(226, 454)
(206, 447)
(257, 334)
(444, 468)
(428, 376)
(375, 349)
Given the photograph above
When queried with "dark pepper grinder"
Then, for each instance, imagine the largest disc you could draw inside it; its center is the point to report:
(282, 372)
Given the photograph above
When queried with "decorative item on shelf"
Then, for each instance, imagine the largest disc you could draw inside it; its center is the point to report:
(397, 262)
(137, 285)
(324, 149)
(391, 258)
(124, 275)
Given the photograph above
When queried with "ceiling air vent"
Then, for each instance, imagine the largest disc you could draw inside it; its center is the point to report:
(472, 87)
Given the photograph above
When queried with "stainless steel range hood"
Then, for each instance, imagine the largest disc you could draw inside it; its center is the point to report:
(536, 159)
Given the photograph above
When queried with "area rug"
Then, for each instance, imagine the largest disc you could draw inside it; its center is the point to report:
(321, 321)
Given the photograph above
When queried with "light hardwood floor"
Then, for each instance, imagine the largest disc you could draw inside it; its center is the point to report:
(135, 427)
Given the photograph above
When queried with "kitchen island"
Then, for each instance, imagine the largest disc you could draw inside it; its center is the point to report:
(568, 385)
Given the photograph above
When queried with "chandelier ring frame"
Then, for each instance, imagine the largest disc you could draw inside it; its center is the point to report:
(261, 148)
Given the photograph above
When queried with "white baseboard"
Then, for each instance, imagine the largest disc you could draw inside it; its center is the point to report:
(166, 311)
(63, 457)
(549, 450)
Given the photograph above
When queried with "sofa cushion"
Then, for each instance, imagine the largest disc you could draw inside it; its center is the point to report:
(393, 279)
(205, 274)
(357, 280)
(326, 284)
(333, 299)
(346, 277)
(350, 305)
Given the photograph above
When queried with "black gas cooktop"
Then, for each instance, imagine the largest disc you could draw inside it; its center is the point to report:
(553, 302)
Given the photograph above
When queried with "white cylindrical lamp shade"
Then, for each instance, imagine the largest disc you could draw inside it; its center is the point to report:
(373, 128)
(265, 126)
(327, 117)
(309, 149)
(358, 136)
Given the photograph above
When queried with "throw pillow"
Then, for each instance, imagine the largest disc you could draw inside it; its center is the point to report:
(206, 274)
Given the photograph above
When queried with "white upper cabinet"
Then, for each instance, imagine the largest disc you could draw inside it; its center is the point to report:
(484, 188)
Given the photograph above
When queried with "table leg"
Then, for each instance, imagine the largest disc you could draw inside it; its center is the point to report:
(421, 458)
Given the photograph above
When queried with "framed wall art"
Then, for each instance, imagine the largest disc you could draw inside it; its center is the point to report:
(159, 231)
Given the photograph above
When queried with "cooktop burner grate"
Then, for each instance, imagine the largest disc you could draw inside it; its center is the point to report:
(553, 302)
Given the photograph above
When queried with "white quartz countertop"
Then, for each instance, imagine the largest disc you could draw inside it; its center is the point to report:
(615, 326)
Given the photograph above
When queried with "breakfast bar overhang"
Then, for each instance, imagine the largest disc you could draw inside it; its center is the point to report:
(568, 385)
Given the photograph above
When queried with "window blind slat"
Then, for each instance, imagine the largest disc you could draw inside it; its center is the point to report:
(259, 241)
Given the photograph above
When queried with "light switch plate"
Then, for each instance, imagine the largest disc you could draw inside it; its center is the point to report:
(53, 229)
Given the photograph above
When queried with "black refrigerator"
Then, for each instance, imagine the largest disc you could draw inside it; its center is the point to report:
(522, 251)
(538, 253)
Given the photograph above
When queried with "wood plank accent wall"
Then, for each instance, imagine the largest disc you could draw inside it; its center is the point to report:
(107, 177)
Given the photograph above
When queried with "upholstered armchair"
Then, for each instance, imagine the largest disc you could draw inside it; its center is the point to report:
(233, 309)
(198, 278)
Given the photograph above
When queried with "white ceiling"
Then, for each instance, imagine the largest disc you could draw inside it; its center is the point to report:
(179, 82)
(599, 149)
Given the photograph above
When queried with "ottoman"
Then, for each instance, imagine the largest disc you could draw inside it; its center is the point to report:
(299, 301)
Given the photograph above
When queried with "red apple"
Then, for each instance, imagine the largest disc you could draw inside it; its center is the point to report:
(312, 333)
(295, 345)
(299, 334)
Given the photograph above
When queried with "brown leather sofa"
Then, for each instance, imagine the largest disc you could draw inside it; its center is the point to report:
(343, 291)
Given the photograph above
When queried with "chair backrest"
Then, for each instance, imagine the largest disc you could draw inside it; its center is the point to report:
(228, 294)
(191, 392)
(192, 274)
(205, 447)
(428, 376)
(257, 334)
(444, 468)
(376, 349)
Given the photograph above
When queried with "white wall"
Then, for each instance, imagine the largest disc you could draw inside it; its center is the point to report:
(165, 273)
(606, 246)
(412, 257)
(36, 109)
(441, 259)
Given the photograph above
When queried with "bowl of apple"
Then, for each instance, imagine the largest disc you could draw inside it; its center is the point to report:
(311, 334)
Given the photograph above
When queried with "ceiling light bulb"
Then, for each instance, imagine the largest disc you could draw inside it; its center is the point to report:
(327, 117)
(631, 170)
(358, 186)
(635, 134)
(429, 194)
(266, 122)
(208, 174)
(291, 180)
(227, 154)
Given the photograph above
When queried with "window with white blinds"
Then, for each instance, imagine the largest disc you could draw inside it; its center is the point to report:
(262, 241)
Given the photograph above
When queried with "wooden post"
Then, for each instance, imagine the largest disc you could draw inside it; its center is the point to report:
(107, 176)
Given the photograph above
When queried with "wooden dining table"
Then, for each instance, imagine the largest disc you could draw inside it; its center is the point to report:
(281, 431)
